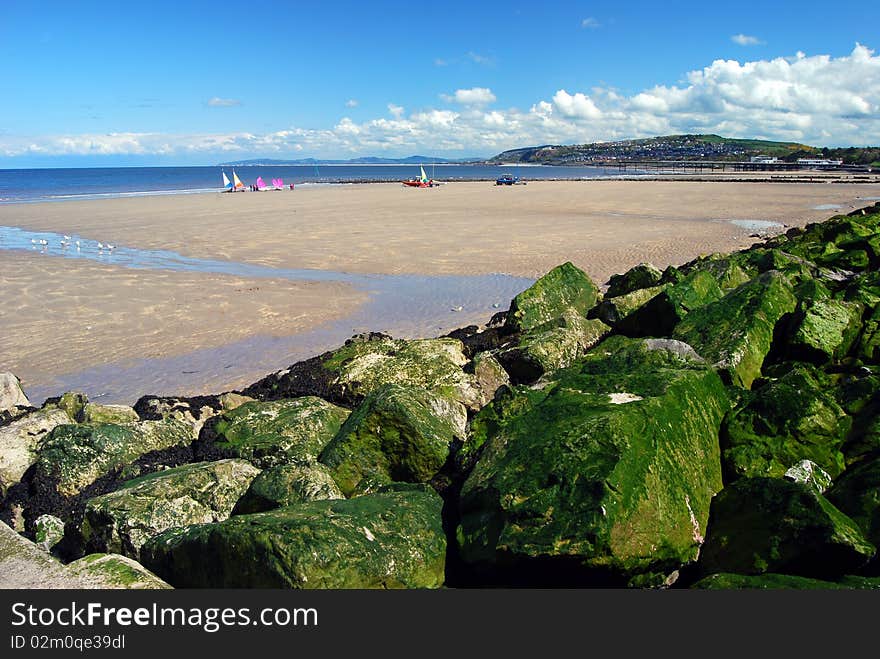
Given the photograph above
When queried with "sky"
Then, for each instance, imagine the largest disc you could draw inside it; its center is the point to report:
(196, 83)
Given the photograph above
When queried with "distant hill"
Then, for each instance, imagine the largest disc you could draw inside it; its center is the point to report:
(668, 147)
(365, 160)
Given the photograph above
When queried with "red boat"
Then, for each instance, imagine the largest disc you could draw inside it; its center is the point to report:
(422, 182)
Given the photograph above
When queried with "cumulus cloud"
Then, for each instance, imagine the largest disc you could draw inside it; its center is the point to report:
(217, 102)
(591, 23)
(815, 99)
(472, 96)
(745, 40)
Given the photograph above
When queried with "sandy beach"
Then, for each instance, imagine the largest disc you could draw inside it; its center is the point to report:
(61, 315)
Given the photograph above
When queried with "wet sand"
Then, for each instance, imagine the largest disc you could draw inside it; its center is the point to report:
(61, 316)
(459, 228)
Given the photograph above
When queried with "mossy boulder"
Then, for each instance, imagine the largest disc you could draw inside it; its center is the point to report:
(551, 346)
(868, 348)
(660, 315)
(20, 442)
(644, 275)
(760, 525)
(729, 271)
(810, 474)
(823, 330)
(384, 540)
(489, 373)
(276, 432)
(74, 456)
(286, 485)
(198, 493)
(72, 402)
(784, 421)
(565, 286)
(119, 414)
(399, 433)
(113, 571)
(612, 310)
(857, 493)
(611, 464)
(769, 581)
(49, 531)
(736, 332)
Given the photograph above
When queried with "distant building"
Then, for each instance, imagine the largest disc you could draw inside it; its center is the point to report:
(764, 160)
(810, 162)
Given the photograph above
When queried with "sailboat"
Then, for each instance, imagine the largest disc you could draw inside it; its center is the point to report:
(422, 182)
(261, 184)
(227, 184)
(237, 185)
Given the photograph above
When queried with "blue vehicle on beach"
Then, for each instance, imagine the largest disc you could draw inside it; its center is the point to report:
(507, 179)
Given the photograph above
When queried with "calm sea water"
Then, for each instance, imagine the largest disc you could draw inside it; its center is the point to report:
(31, 185)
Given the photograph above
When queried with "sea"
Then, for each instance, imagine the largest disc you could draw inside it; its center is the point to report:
(39, 185)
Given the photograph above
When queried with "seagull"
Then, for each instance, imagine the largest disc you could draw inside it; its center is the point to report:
(110, 247)
(100, 245)
(33, 241)
(66, 237)
(44, 241)
(77, 244)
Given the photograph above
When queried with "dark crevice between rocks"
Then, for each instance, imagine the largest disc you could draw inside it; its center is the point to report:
(156, 408)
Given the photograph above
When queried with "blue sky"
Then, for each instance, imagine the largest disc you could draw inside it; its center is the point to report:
(90, 83)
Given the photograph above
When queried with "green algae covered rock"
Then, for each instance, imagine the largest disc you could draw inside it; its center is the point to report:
(72, 402)
(729, 271)
(286, 485)
(769, 581)
(824, 330)
(785, 421)
(20, 442)
(399, 433)
(489, 374)
(391, 539)
(760, 525)
(277, 432)
(551, 346)
(660, 315)
(857, 493)
(49, 531)
(119, 414)
(123, 520)
(643, 275)
(74, 456)
(113, 571)
(736, 332)
(810, 474)
(565, 286)
(868, 347)
(612, 310)
(611, 464)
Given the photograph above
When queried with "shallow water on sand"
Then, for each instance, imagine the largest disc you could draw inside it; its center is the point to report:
(402, 305)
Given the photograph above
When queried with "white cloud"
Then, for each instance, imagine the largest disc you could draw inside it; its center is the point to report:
(351, 103)
(745, 40)
(217, 102)
(472, 96)
(590, 23)
(815, 99)
(477, 58)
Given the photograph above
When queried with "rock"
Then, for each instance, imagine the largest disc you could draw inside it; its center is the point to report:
(230, 400)
(729, 271)
(857, 494)
(810, 474)
(572, 474)
(23, 565)
(760, 525)
(119, 414)
(50, 530)
(643, 275)
(788, 420)
(123, 520)
(868, 348)
(274, 433)
(115, 572)
(20, 441)
(824, 330)
(490, 376)
(385, 540)
(564, 287)
(193, 411)
(551, 346)
(399, 433)
(12, 398)
(74, 456)
(736, 332)
(286, 485)
(768, 581)
(659, 315)
(72, 402)
(612, 310)
(347, 375)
